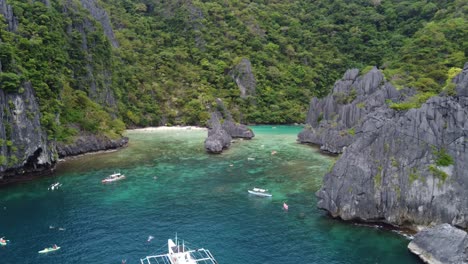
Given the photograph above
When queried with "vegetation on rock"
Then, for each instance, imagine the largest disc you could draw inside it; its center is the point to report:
(174, 57)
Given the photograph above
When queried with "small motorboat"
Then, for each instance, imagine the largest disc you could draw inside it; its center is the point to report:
(260, 192)
(54, 186)
(116, 176)
(49, 249)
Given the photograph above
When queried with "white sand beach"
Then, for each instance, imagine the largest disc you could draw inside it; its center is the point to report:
(166, 128)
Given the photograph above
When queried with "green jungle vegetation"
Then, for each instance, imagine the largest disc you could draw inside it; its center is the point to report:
(174, 56)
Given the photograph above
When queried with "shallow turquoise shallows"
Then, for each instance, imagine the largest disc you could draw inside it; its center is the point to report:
(173, 186)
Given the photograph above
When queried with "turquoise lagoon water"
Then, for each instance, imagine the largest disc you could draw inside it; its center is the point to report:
(173, 186)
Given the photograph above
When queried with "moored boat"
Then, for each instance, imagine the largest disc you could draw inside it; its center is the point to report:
(116, 176)
(260, 192)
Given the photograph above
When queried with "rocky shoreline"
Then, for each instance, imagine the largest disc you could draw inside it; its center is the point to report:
(442, 244)
(88, 143)
(83, 144)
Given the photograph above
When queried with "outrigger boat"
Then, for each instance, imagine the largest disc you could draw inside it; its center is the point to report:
(180, 254)
(49, 249)
(116, 176)
(260, 192)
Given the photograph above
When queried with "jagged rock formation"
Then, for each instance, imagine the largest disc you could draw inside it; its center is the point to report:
(24, 148)
(334, 121)
(403, 168)
(218, 139)
(234, 129)
(87, 143)
(244, 78)
(220, 135)
(442, 244)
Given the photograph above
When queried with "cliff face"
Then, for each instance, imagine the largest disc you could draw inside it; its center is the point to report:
(25, 150)
(334, 121)
(93, 75)
(403, 168)
(24, 147)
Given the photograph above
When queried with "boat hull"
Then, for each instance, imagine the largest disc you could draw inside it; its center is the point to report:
(47, 250)
(260, 194)
(112, 180)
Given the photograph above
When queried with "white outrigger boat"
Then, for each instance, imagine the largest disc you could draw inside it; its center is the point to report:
(116, 176)
(260, 192)
(180, 254)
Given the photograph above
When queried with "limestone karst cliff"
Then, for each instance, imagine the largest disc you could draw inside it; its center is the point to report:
(399, 167)
(29, 123)
(24, 146)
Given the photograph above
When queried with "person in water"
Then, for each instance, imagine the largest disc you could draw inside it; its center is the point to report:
(2, 240)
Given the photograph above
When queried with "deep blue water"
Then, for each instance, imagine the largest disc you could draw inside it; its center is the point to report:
(173, 186)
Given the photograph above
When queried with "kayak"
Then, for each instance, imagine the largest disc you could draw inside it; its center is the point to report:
(47, 250)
